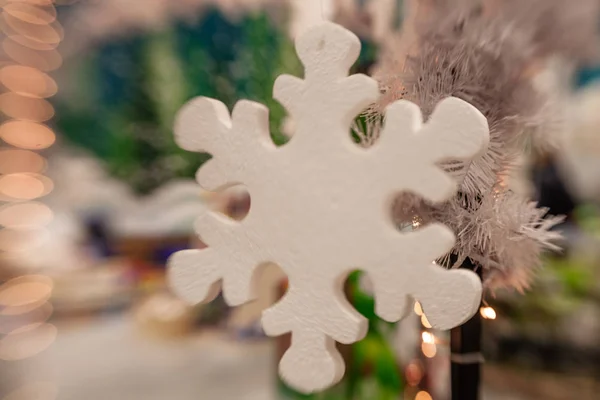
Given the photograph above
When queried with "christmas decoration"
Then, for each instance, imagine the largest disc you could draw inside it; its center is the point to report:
(322, 218)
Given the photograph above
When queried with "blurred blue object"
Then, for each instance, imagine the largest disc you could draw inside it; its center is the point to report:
(162, 254)
(587, 76)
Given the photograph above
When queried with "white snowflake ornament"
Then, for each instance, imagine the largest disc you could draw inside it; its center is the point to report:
(321, 207)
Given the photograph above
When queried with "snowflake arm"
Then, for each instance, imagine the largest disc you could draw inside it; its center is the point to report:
(435, 287)
(455, 131)
(204, 125)
(198, 275)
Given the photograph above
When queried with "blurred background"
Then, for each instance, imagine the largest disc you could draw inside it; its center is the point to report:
(95, 196)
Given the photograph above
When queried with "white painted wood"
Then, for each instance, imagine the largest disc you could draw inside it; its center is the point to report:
(321, 207)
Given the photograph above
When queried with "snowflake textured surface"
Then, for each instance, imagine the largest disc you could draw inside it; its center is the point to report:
(321, 207)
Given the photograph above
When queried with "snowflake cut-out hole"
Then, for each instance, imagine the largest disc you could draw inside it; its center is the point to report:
(320, 207)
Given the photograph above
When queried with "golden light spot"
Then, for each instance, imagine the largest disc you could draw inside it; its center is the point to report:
(25, 215)
(414, 373)
(23, 322)
(35, 391)
(14, 311)
(18, 240)
(487, 312)
(425, 322)
(417, 308)
(49, 34)
(23, 345)
(21, 186)
(27, 135)
(34, 2)
(27, 42)
(423, 396)
(30, 13)
(27, 108)
(25, 291)
(13, 161)
(25, 186)
(429, 349)
(27, 81)
(428, 337)
(48, 60)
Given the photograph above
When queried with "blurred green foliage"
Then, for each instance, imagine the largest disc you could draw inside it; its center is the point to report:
(129, 90)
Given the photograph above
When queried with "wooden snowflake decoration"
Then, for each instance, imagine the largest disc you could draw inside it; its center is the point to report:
(321, 207)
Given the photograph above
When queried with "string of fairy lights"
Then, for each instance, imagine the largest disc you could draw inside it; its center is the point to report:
(415, 371)
(31, 35)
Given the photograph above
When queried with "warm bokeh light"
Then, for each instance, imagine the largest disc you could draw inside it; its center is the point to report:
(14, 161)
(425, 322)
(20, 310)
(25, 290)
(413, 373)
(423, 396)
(25, 215)
(32, 35)
(487, 312)
(27, 81)
(25, 186)
(25, 108)
(21, 186)
(428, 337)
(17, 240)
(31, 13)
(34, 2)
(35, 391)
(27, 342)
(27, 135)
(50, 34)
(429, 349)
(48, 60)
(417, 308)
(30, 320)
(27, 42)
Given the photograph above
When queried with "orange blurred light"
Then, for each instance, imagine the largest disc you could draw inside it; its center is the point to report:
(25, 107)
(34, 2)
(25, 215)
(425, 322)
(487, 312)
(21, 186)
(25, 186)
(25, 291)
(30, 320)
(417, 308)
(15, 311)
(25, 41)
(27, 343)
(30, 13)
(414, 374)
(20, 240)
(27, 81)
(27, 135)
(429, 349)
(428, 337)
(35, 391)
(14, 161)
(423, 396)
(50, 34)
(48, 60)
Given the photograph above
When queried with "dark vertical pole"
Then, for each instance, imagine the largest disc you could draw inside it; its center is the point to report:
(466, 358)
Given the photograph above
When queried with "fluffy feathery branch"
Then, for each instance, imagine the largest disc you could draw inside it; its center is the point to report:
(487, 52)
